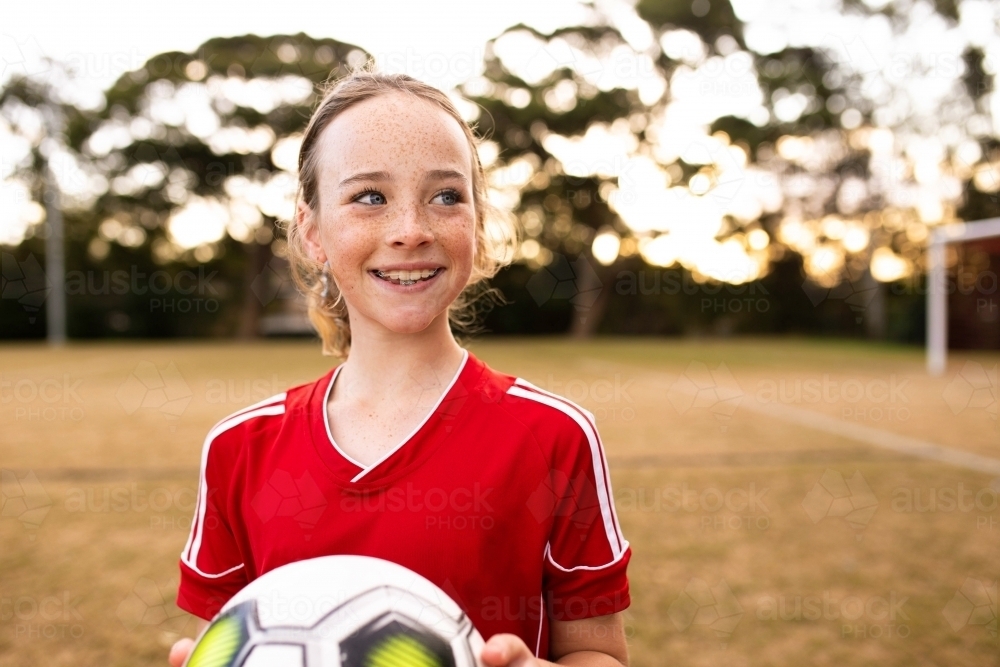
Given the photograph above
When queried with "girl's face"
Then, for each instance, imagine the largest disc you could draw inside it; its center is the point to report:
(396, 219)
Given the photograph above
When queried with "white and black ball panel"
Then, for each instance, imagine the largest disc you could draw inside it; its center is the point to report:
(339, 611)
(268, 655)
(303, 592)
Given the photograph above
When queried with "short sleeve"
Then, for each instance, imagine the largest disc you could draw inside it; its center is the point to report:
(211, 565)
(586, 557)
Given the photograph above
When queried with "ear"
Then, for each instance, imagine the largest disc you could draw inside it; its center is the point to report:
(308, 224)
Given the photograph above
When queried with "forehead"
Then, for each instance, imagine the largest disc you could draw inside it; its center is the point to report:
(392, 132)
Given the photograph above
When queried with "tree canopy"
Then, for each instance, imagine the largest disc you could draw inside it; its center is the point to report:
(710, 138)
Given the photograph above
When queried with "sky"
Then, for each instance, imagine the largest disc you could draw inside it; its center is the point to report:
(909, 70)
(441, 42)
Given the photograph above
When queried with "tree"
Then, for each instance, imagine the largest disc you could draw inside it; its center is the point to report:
(671, 135)
(199, 151)
(562, 210)
(38, 113)
(594, 82)
(850, 162)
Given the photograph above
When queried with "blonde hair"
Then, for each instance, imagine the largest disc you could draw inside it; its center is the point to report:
(497, 233)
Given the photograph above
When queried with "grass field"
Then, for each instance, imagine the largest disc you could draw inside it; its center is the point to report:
(757, 539)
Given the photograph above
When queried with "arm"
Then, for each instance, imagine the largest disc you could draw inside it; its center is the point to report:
(590, 642)
(585, 560)
(203, 590)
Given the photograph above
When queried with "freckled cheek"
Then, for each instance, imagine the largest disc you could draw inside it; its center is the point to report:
(458, 238)
(347, 253)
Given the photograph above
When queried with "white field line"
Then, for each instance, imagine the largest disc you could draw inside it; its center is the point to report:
(866, 434)
(877, 437)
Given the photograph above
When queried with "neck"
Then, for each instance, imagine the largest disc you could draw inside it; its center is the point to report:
(383, 363)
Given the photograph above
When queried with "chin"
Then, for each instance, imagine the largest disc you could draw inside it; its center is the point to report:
(408, 324)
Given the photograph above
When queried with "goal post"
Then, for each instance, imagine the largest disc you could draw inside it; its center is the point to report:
(937, 294)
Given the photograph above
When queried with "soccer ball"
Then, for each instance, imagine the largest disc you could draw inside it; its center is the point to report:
(339, 611)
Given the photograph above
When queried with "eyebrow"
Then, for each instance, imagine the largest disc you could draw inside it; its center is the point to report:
(435, 174)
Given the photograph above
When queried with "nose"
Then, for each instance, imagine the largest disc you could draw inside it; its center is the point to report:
(410, 227)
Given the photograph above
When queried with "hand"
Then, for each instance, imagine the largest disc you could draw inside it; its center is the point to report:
(506, 650)
(180, 651)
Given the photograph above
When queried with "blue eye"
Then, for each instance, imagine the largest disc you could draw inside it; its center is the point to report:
(376, 197)
(450, 197)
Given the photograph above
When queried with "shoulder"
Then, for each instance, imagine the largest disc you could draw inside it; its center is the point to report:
(578, 465)
(545, 411)
(528, 404)
(260, 422)
(524, 407)
(562, 429)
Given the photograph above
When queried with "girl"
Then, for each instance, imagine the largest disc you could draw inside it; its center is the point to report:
(412, 449)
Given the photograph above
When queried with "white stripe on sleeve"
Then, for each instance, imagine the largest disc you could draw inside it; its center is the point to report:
(615, 539)
(191, 550)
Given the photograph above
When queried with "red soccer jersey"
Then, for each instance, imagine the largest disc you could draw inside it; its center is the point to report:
(501, 497)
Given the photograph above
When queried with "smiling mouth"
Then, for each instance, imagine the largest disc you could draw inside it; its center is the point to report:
(406, 277)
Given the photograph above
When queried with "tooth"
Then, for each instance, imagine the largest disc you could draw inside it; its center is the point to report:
(411, 276)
